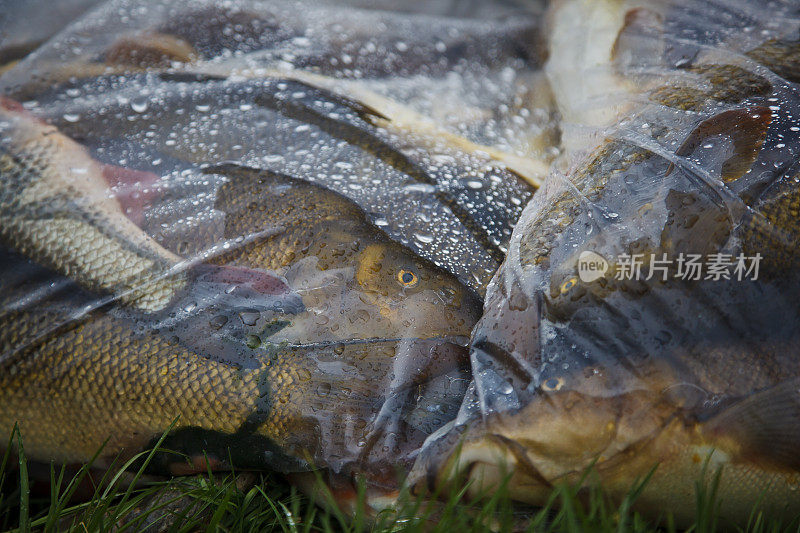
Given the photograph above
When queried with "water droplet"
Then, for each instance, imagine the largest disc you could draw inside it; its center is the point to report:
(139, 105)
(218, 321)
(424, 238)
(249, 317)
(506, 388)
(253, 341)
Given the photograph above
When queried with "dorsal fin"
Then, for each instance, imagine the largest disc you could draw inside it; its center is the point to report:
(133, 189)
(256, 197)
(747, 128)
(150, 50)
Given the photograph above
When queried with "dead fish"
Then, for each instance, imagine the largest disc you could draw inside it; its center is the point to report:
(336, 45)
(354, 379)
(601, 346)
(160, 89)
(471, 195)
(57, 209)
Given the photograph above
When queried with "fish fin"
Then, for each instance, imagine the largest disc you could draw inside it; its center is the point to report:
(348, 120)
(344, 493)
(747, 128)
(150, 50)
(225, 309)
(237, 171)
(365, 112)
(133, 189)
(764, 427)
(9, 104)
(252, 288)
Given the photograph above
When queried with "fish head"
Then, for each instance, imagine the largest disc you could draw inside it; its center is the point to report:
(558, 388)
(388, 331)
(350, 273)
(381, 337)
(417, 297)
(575, 422)
(550, 415)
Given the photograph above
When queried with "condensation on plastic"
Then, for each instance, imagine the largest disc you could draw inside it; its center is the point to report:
(341, 349)
(569, 371)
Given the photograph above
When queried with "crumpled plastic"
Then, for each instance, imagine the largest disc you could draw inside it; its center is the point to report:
(651, 282)
(411, 132)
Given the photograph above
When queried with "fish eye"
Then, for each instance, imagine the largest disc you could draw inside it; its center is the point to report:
(567, 285)
(407, 278)
(553, 384)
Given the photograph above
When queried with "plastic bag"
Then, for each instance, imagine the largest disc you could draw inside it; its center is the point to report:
(646, 313)
(265, 228)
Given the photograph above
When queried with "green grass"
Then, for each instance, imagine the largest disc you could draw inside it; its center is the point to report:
(121, 500)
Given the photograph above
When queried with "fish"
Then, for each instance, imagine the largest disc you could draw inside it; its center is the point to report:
(67, 211)
(603, 357)
(156, 90)
(57, 209)
(328, 131)
(324, 237)
(365, 361)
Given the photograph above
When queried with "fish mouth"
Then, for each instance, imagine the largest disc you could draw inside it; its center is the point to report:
(489, 459)
(480, 460)
(522, 460)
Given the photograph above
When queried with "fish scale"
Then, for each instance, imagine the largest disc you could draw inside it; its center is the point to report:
(53, 386)
(62, 217)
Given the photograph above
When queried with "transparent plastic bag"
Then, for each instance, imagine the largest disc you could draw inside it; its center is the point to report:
(255, 227)
(646, 313)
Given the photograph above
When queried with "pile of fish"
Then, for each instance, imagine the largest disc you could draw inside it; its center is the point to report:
(507, 241)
